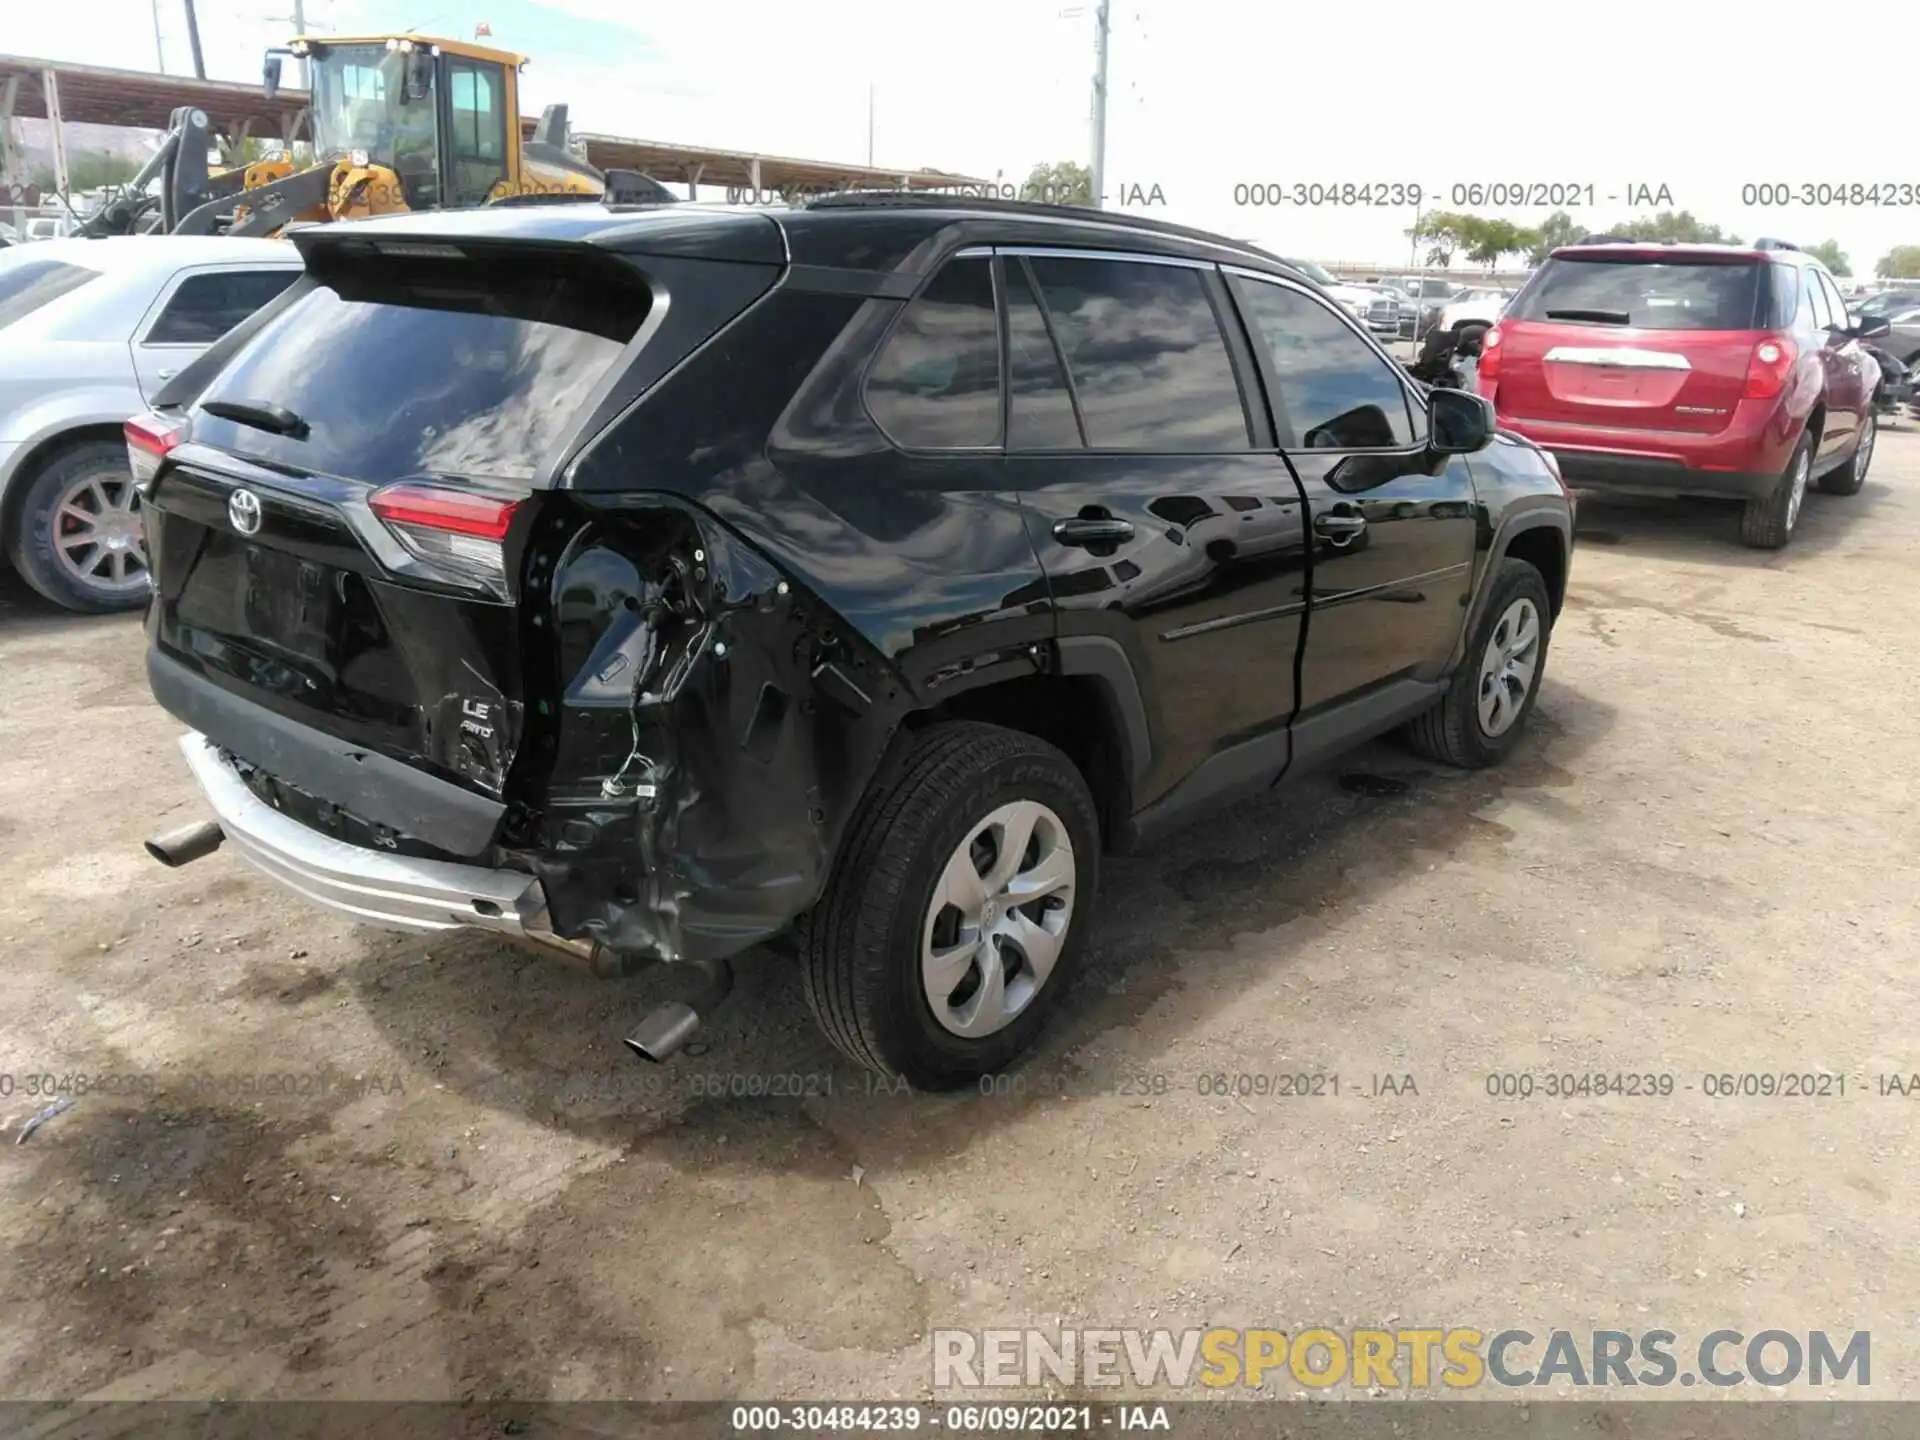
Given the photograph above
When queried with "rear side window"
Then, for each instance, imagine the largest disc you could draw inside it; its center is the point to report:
(935, 385)
(26, 285)
(467, 368)
(1647, 294)
(1149, 363)
(1040, 413)
(1786, 297)
(205, 307)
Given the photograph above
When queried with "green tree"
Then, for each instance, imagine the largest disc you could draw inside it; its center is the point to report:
(1442, 232)
(1679, 227)
(1829, 254)
(1489, 239)
(1900, 263)
(89, 170)
(1064, 183)
(1550, 234)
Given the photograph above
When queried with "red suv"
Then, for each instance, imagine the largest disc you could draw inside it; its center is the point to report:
(1689, 370)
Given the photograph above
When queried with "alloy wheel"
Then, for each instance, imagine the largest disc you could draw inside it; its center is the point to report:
(97, 535)
(1802, 468)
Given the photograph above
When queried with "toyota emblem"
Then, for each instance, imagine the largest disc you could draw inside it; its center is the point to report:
(243, 510)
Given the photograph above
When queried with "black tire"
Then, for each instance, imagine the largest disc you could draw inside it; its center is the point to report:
(860, 948)
(1451, 731)
(32, 550)
(1768, 524)
(1848, 478)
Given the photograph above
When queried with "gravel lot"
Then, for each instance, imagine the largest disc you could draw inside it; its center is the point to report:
(1704, 860)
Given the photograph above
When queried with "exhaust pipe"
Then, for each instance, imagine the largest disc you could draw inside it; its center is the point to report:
(666, 1030)
(189, 842)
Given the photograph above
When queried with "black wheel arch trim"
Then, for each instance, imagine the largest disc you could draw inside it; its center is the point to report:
(1103, 660)
(1533, 517)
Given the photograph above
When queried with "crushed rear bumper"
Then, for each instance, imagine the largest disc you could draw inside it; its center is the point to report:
(372, 887)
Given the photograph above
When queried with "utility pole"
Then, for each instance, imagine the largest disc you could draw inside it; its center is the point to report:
(1099, 107)
(299, 29)
(869, 124)
(159, 48)
(193, 39)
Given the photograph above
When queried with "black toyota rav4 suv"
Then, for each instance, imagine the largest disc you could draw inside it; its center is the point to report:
(650, 584)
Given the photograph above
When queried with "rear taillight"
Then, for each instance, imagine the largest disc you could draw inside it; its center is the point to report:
(149, 438)
(459, 533)
(1769, 367)
(1489, 370)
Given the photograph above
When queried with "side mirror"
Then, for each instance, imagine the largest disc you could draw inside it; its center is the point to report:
(1870, 327)
(1458, 423)
(270, 76)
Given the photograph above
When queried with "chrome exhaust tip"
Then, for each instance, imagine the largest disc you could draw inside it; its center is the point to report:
(668, 1027)
(188, 843)
(661, 1035)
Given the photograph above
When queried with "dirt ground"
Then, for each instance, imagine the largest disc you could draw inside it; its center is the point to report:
(1703, 861)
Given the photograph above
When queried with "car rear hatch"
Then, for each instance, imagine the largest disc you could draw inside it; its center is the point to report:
(1639, 339)
(338, 526)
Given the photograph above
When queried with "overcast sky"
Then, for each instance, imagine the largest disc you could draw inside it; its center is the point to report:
(1703, 97)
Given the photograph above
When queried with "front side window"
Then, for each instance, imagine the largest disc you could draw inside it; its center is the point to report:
(360, 103)
(205, 307)
(1334, 391)
(1149, 363)
(935, 385)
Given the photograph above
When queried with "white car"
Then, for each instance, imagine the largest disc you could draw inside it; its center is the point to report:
(89, 332)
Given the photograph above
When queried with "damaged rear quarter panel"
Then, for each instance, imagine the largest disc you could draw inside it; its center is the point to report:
(707, 730)
(905, 582)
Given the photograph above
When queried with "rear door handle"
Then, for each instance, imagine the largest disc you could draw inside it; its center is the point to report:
(1339, 525)
(1088, 531)
(165, 374)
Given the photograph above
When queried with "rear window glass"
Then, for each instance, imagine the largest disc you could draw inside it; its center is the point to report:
(1647, 294)
(462, 368)
(27, 284)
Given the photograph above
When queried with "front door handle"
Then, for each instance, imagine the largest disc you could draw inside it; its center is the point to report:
(1339, 525)
(1090, 531)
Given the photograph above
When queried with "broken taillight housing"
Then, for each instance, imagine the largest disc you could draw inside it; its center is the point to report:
(460, 534)
(149, 438)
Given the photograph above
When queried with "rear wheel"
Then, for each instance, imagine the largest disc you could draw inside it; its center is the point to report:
(1848, 479)
(79, 540)
(1480, 718)
(1769, 523)
(958, 909)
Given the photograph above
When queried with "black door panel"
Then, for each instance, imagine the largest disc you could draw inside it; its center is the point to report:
(1388, 597)
(1392, 530)
(1207, 598)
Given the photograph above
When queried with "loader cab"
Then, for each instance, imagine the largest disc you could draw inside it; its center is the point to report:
(440, 114)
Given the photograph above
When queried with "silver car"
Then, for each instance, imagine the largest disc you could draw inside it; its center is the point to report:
(89, 332)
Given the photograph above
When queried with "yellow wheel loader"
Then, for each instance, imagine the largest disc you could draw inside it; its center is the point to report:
(398, 122)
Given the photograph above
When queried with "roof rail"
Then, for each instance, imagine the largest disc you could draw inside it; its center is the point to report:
(1767, 243)
(1085, 214)
(1606, 240)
